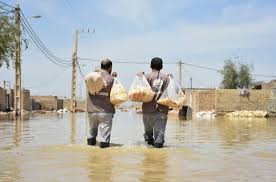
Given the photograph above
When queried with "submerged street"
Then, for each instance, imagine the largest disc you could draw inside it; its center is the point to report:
(53, 148)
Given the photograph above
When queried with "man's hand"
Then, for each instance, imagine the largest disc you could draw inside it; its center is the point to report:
(140, 73)
(114, 74)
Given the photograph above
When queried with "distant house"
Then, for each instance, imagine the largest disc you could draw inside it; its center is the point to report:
(264, 85)
(270, 85)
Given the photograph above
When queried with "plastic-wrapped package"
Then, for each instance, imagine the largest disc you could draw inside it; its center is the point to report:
(173, 95)
(94, 82)
(140, 90)
(118, 93)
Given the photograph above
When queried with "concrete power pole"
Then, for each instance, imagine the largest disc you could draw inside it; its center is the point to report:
(17, 89)
(180, 73)
(74, 74)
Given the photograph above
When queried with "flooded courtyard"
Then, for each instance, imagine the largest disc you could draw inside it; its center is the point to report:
(53, 148)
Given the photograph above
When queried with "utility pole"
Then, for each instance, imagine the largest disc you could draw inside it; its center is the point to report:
(17, 89)
(180, 73)
(74, 69)
(191, 82)
(74, 74)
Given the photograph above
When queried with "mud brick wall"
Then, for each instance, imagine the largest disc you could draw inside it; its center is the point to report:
(228, 100)
(47, 103)
(80, 104)
(272, 106)
(200, 100)
(26, 100)
(67, 104)
(270, 85)
(3, 99)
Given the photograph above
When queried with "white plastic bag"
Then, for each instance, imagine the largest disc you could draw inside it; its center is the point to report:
(140, 90)
(173, 95)
(118, 93)
(94, 82)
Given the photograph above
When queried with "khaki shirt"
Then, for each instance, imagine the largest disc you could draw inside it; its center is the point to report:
(158, 82)
(100, 103)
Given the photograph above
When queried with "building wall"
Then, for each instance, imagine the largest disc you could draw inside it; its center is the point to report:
(26, 100)
(80, 104)
(228, 100)
(270, 85)
(200, 100)
(3, 99)
(47, 103)
(67, 104)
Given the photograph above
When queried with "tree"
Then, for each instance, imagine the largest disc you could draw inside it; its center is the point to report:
(230, 75)
(236, 76)
(245, 77)
(7, 41)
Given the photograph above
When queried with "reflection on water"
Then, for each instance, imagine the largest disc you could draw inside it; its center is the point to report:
(17, 136)
(53, 148)
(154, 167)
(73, 128)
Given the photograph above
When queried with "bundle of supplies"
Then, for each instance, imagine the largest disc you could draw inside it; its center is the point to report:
(173, 96)
(118, 93)
(94, 82)
(140, 90)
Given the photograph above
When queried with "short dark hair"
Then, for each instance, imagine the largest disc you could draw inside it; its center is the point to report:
(156, 63)
(106, 64)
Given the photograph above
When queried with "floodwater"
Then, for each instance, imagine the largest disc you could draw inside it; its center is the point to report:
(53, 148)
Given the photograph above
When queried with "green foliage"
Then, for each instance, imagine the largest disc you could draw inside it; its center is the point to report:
(245, 78)
(230, 75)
(7, 41)
(236, 76)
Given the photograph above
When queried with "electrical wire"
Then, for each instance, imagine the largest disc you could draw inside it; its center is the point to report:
(5, 4)
(184, 63)
(27, 26)
(122, 62)
(42, 49)
(81, 73)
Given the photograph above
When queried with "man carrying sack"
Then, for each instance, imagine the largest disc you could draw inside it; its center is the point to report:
(100, 109)
(155, 115)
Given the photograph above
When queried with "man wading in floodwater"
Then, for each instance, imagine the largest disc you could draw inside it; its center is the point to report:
(155, 115)
(100, 110)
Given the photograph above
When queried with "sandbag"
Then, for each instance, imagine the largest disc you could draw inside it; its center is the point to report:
(140, 90)
(94, 82)
(118, 93)
(173, 95)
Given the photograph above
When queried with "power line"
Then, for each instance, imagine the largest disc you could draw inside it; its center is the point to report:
(41, 49)
(81, 73)
(5, 4)
(6, 10)
(121, 62)
(40, 42)
(40, 45)
(184, 63)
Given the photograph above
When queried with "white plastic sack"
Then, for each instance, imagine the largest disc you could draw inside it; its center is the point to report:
(94, 82)
(173, 95)
(140, 90)
(118, 94)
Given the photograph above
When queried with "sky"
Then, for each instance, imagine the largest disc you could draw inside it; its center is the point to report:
(201, 32)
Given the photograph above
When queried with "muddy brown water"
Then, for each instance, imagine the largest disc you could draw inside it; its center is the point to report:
(53, 148)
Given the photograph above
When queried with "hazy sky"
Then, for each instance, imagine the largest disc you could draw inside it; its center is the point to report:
(203, 32)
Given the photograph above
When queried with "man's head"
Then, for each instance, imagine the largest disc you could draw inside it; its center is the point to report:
(106, 64)
(156, 64)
